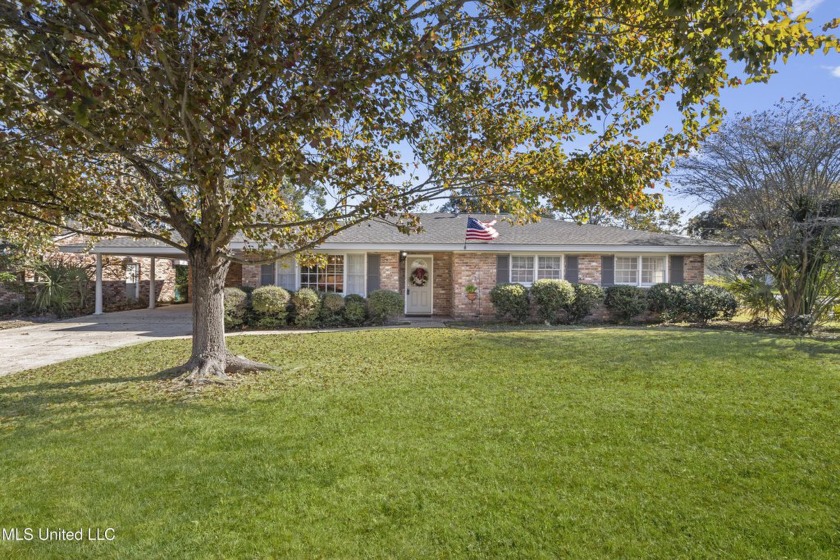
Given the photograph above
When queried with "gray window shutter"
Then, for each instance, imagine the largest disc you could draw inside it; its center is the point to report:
(677, 269)
(372, 272)
(607, 270)
(502, 269)
(572, 270)
(267, 275)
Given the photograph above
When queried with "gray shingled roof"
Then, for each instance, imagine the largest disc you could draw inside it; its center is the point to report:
(449, 229)
(445, 232)
(131, 242)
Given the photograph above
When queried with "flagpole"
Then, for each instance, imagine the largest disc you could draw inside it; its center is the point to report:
(478, 314)
(465, 233)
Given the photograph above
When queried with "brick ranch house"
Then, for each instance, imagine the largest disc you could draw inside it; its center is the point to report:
(375, 255)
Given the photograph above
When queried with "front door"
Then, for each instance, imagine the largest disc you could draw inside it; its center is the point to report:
(418, 285)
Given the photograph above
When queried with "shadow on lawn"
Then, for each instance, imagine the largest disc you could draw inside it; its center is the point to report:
(164, 375)
(37, 406)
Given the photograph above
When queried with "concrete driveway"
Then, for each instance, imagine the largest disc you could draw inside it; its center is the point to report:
(49, 343)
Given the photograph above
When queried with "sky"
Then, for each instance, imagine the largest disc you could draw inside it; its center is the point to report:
(817, 76)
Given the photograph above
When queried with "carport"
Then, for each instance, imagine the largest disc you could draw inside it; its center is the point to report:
(126, 247)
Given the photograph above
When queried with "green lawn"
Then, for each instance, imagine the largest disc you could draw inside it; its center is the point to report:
(601, 443)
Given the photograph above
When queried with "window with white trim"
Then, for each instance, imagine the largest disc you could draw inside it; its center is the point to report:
(549, 267)
(328, 278)
(356, 276)
(525, 269)
(653, 270)
(521, 269)
(641, 270)
(287, 273)
(627, 270)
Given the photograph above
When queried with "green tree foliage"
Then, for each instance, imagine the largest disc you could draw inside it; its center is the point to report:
(773, 181)
(193, 121)
(656, 219)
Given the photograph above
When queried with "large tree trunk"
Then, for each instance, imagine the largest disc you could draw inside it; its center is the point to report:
(210, 361)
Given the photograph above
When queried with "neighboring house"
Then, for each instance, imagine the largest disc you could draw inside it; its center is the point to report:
(375, 255)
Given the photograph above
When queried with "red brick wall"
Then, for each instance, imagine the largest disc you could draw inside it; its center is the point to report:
(478, 269)
(693, 269)
(234, 276)
(8, 297)
(389, 271)
(589, 269)
(251, 275)
(443, 284)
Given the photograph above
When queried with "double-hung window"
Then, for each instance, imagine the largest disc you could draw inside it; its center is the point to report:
(627, 270)
(549, 268)
(653, 270)
(287, 273)
(640, 270)
(356, 274)
(522, 269)
(525, 269)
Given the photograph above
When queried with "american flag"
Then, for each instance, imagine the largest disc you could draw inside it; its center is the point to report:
(481, 231)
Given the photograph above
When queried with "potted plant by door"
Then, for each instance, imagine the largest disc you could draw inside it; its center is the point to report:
(471, 292)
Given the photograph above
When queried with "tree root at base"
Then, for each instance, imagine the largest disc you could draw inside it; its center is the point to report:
(214, 370)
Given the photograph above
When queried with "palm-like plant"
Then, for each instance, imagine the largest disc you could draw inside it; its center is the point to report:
(59, 287)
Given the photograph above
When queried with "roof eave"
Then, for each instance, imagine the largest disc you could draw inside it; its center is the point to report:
(531, 248)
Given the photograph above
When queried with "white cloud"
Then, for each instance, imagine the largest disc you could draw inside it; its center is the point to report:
(800, 6)
(835, 70)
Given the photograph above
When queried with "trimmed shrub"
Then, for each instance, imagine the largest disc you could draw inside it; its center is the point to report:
(510, 302)
(587, 297)
(270, 306)
(332, 310)
(701, 304)
(625, 302)
(552, 297)
(666, 300)
(385, 305)
(236, 308)
(355, 310)
(305, 306)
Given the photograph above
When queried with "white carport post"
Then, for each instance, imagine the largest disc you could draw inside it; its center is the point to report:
(98, 297)
(152, 296)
